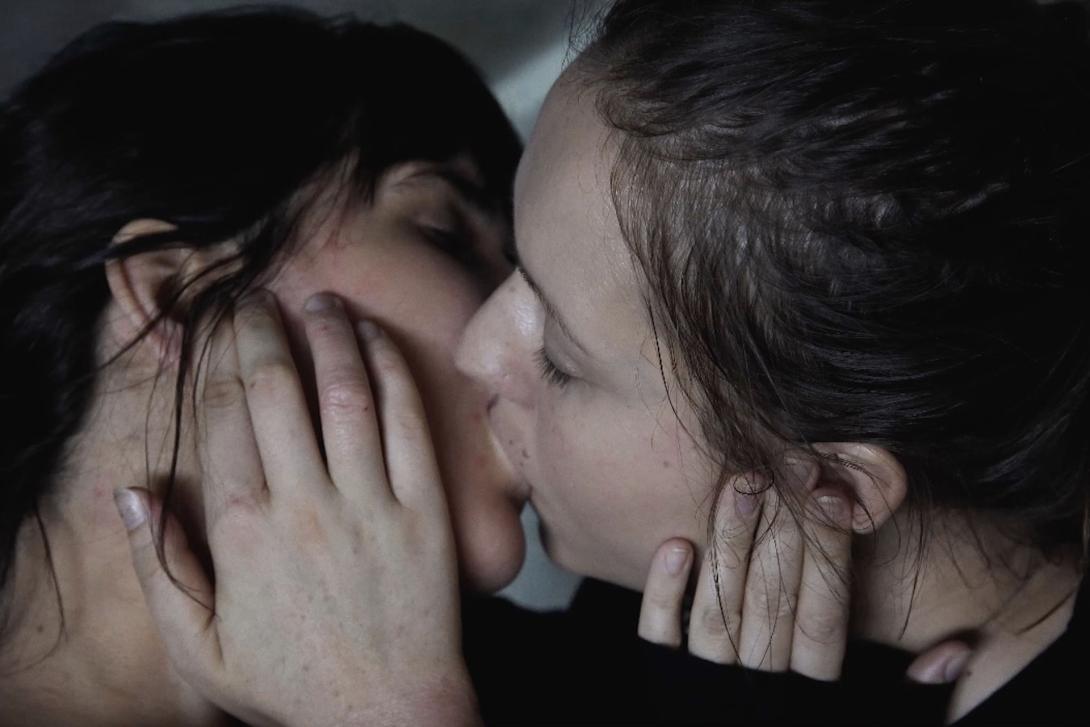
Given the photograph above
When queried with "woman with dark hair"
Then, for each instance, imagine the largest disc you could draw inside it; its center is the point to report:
(151, 175)
(798, 279)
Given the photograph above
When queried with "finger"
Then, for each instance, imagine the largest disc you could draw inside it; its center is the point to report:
(717, 602)
(231, 469)
(406, 439)
(182, 608)
(660, 610)
(821, 617)
(771, 589)
(942, 664)
(290, 456)
(350, 431)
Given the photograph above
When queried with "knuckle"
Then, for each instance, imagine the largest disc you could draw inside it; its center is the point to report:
(386, 366)
(253, 315)
(385, 359)
(308, 526)
(146, 559)
(345, 393)
(660, 601)
(412, 431)
(711, 623)
(770, 601)
(223, 392)
(726, 556)
(826, 629)
(271, 376)
(240, 515)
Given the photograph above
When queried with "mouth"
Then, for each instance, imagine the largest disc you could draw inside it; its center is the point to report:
(519, 489)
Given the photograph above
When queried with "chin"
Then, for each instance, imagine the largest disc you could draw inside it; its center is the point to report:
(594, 567)
(491, 557)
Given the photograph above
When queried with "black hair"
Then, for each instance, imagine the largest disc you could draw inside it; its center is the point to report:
(213, 123)
(868, 222)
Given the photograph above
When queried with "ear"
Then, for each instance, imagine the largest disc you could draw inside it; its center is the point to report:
(139, 283)
(873, 477)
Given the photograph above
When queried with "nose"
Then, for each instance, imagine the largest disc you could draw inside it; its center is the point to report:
(498, 344)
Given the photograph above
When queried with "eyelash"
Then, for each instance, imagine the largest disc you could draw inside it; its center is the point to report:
(550, 371)
(454, 243)
(447, 239)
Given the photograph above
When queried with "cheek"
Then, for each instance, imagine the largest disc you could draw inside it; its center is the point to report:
(424, 301)
(420, 297)
(622, 482)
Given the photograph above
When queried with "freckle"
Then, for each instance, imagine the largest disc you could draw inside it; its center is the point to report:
(40, 629)
(510, 443)
(525, 454)
(665, 465)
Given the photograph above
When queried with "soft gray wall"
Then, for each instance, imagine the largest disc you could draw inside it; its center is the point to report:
(520, 45)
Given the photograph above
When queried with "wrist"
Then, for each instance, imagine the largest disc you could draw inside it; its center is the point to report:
(444, 702)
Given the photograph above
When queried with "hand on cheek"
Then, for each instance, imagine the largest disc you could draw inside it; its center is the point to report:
(310, 618)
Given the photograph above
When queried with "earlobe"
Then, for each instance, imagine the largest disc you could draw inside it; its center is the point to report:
(139, 283)
(877, 481)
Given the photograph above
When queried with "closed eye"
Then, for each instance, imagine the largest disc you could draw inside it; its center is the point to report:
(551, 372)
(454, 243)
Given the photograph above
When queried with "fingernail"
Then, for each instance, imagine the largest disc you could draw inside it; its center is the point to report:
(321, 302)
(745, 504)
(675, 559)
(955, 666)
(368, 330)
(131, 508)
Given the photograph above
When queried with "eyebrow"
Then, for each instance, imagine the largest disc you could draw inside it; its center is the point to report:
(551, 310)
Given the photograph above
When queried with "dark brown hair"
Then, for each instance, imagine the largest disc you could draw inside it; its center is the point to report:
(220, 124)
(868, 222)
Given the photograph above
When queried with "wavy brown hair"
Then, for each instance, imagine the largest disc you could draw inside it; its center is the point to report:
(868, 222)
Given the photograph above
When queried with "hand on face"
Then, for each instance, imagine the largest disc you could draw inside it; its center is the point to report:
(336, 572)
(770, 596)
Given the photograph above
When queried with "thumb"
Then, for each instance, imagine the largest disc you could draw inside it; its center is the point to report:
(942, 664)
(181, 601)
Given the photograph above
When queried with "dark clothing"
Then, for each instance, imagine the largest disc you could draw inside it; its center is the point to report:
(587, 666)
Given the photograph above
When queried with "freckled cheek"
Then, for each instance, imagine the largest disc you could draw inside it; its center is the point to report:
(576, 464)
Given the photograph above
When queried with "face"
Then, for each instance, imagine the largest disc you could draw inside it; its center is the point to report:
(419, 261)
(566, 350)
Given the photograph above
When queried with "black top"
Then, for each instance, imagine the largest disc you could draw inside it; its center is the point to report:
(587, 666)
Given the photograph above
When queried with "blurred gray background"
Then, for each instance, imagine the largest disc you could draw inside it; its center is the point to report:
(520, 45)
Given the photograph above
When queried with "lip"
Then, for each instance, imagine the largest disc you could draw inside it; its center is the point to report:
(519, 490)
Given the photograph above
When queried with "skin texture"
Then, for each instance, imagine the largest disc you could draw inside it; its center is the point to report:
(611, 468)
(382, 262)
(386, 264)
(613, 472)
(337, 518)
(609, 464)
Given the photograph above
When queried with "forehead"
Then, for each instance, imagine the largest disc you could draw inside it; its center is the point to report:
(567, 230)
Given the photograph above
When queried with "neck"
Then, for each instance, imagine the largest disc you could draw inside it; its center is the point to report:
(973, 583)
(100, 660)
